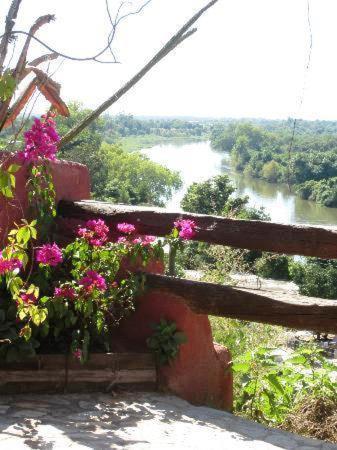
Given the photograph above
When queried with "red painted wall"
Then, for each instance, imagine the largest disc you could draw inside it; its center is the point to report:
(200, 373)
(71, 180)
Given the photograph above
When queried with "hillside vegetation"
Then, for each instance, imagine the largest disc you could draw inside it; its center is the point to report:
(307, 161)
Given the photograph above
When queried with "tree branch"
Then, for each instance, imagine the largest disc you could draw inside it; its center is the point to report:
(30, 35)
(44, 58)
(6, 37)
(171, 44)
(43, 20)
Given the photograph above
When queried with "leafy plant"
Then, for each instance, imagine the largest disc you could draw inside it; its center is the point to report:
(165, 341)
(269, 390)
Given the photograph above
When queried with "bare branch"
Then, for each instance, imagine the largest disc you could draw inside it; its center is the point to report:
(175, 40)
(30, 36)
(44, 58)
(43, 20)
(6, 37)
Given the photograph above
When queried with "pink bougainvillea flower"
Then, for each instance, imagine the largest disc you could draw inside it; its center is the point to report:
(49, 254)
(95, 232)
(65, 292)
(144, 240)
(8, 265)
(137, 240)
(29, 299)
(40, 141)
(77, 353)
(93, 280)
(186, 228)
(126, 228)
(122, 240)
(147, 240)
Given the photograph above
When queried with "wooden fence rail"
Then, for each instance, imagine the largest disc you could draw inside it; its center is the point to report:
(303, 313)
(249, 234)
(292, 311)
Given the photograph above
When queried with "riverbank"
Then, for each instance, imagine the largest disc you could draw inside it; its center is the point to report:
(137, 143)
(197, 162)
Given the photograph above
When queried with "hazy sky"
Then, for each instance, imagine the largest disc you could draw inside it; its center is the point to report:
(247, 59)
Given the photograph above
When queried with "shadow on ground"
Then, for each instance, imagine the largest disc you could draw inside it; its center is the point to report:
(131, 420)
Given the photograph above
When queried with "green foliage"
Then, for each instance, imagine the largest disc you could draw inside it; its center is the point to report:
(124, 125)
(323, 191)
(273, 266)
(216, 196)
(133, 179)
(42, 196)
(116, 175)
(208, 197)
(270, 389)
(7, 180)
(14, 346)
(242, 337)
(264, 153)
(165, 341)
(7, 86)
(315, 277)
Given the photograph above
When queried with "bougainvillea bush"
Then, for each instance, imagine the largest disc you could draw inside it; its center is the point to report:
(65, 300)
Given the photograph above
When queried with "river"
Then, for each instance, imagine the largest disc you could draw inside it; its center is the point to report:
(198, 162)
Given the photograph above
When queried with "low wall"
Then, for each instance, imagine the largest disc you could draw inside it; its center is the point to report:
(72, 182)
(200, 372)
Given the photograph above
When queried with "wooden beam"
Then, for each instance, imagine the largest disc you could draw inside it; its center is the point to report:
(249, 234)
(303, 313)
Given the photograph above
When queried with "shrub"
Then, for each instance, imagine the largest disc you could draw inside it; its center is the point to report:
(66, 299)
(273, 266)
(315, 277)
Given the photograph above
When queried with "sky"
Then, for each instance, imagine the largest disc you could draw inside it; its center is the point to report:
(247, 59)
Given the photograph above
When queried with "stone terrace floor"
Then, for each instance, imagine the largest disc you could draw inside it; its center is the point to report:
(132, 421)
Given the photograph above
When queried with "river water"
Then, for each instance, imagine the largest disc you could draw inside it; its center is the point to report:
(198, 162)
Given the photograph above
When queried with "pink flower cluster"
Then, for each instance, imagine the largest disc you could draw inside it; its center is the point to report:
(93, 280)
(131, 238)
(77, 353)
(126, 228)
(95, 232)
(186, 228)
(144, 240)
(65, 292)
(40, 141)
(29, 299)
(8, 265)
(49, 254)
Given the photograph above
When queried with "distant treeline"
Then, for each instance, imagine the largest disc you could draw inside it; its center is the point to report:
(124, 125)
(308, 161)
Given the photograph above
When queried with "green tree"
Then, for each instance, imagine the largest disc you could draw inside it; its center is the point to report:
(271, 171)
(208, 197)
(132, 178)
(116, 175)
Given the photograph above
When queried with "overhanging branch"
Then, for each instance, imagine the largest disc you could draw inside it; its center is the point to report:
(184, 32)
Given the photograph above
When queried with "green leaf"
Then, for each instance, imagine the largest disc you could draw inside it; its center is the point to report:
(241, 367)
(180, 337)
(297, 359)
(274, 383)
(26, 332)
(13, 168)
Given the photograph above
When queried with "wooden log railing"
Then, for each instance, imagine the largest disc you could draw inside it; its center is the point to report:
(249, 234)
(302, 313)
(208, 298)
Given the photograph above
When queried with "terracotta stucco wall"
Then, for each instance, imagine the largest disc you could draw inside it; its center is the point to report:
(200, 373)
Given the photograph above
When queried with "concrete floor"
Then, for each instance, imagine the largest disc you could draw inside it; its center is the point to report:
(132, 421)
